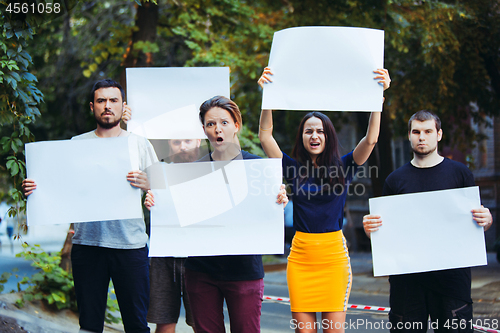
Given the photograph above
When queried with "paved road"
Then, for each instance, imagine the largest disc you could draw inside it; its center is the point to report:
(276, 317)
(368, 290)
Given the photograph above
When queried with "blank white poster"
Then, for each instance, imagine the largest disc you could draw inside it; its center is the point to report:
(325, 69)
(427, 231)
(165, 101)
(82, 181)
(218, 208)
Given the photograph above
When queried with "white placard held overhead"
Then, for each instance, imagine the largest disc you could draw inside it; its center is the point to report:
(325, 69)
(218, 208)
(82, 181)
(427, 231)
(165, 102)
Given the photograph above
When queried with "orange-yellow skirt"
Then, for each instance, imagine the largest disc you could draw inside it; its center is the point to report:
(319, 272)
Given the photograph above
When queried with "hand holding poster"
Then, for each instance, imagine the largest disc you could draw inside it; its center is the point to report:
(325, 69)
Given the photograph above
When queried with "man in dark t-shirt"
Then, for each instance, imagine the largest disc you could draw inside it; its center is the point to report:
(445, 295)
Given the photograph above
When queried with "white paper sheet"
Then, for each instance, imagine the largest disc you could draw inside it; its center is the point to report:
(218, 208)
(427, 231)
(81, 181)
(326, 69)
(165, 102)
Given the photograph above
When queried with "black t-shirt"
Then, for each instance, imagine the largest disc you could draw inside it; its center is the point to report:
(446, 175)
(232, 267)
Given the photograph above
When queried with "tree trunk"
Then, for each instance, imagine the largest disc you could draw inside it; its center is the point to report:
(146, 21)
(66, 250)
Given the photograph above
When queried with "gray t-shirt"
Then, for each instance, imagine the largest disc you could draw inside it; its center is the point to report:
(117, 234)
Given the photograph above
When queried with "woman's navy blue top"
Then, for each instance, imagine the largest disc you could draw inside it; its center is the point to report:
(318, 207)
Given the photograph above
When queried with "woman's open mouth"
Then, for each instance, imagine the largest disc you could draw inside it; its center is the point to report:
(315, 144)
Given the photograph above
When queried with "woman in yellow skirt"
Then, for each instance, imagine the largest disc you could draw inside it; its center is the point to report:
(319, 274)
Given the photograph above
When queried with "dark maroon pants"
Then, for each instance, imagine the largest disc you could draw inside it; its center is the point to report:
(243, 300)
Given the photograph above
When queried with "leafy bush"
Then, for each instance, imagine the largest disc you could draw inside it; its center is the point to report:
(3, 279)
(52, 284)
(112, 307)
(250, 142)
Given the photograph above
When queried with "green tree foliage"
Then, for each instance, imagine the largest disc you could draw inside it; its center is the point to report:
(446, 63)
(98, 40)
(442, 55)
(50, 284)
(227, 33)
(71, 53)
(19, 100)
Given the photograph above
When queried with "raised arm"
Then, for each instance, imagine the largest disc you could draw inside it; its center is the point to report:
(366, 145)
(266, 138)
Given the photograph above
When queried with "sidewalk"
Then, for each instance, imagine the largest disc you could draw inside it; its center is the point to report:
(485, 283)
(486, 288)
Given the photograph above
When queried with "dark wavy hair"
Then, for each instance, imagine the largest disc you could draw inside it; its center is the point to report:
(326, 161)
(107, 83)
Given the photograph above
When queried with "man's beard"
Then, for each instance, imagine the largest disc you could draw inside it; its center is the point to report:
(423, 153)
(106, 125)
(186, 157)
